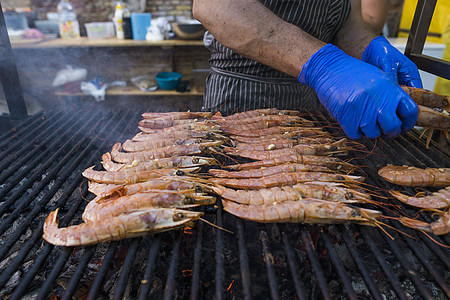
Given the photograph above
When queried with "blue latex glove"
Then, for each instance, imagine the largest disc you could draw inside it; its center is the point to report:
(383, 55)
(361, 97)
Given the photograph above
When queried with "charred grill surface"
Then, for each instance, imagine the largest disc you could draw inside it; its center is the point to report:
(41, 162)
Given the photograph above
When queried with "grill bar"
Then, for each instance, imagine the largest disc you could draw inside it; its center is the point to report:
(106, 263)
(31, 154)
(149, 269)
(299, 288)
(268, 259)
(392, 279)
(72, 286)
(339, 267)
(359, 263)
(220, 272)
(51, 175)
(243, 260)
(28, 133)
(21, 128)
(195, 283)
(314, 261)
(128, 263)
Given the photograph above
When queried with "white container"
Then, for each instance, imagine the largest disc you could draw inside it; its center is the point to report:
(435, 50)
(67, 19)
(99, 30)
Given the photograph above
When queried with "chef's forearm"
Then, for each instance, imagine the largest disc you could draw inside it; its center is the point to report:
(355, 35)
(252, 30)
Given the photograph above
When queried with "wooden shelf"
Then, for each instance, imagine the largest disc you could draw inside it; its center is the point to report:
(133, 91)
(110, 42)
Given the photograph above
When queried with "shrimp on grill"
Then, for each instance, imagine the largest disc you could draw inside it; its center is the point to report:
(129, 177)
(162, 163)
(162, 183)
(427, 98)
(174, 150)
(413, 176)
(433, 111)
(314, 149)
(267, 171)
(183, 134)
(310, 211)
(284, 179)
(126, 225)
(271, 130)
(99, 209)
(303, 133)
(177, 115)
(439, 227)
(201, 126)
(328, 191)
(262, 124)
(439, 199)
(160, 123)
(281, 144)
(291, 119)
(255, 113)
(333, 163)
(132, 146)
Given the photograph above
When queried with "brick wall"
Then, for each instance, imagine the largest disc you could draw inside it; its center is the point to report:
(102, 10)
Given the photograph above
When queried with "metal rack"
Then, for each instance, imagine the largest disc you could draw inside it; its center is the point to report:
(416, 41)
(9, 77)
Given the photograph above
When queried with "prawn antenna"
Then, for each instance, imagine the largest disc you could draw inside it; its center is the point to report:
(218, 227)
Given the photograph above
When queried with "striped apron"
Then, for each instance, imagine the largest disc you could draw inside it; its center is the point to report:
(236, 83)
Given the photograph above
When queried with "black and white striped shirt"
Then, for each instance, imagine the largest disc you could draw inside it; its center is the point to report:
(236, 83)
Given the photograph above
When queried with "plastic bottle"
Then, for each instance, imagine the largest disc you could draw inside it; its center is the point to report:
(127, 32)
(118, 21)
(67, 20)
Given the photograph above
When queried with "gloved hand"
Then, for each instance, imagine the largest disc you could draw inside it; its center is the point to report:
(361, 97)
(383, 55)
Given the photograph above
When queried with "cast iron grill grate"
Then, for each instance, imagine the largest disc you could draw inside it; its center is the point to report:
(41, 163)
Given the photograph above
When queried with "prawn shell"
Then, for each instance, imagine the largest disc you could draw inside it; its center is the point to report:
(413, 176)
(439, 227)
(427, 98)
(436, 200)
(431, 118)
(284, 179)
(311, 211)
(99, 209)
(126, 225)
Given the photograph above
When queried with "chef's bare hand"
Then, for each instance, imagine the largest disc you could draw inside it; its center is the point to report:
(361, 97)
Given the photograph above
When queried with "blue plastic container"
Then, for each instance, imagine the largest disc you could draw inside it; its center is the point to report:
(140, 22)
(168, 80)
